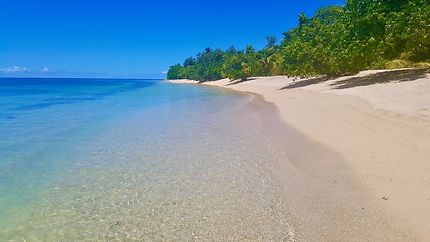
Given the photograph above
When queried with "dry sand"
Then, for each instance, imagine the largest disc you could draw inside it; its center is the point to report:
(378, 125)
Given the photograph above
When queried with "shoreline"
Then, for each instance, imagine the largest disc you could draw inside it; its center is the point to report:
(380, 131)
(324, 201)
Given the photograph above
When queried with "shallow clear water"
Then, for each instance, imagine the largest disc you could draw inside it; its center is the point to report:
(88, 159)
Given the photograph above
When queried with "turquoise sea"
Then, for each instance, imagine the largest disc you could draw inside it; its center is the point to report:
(106, 159)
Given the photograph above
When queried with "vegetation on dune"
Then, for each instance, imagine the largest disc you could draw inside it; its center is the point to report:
(337, 40)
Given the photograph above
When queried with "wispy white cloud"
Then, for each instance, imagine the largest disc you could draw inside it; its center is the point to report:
(20, 71)
(14, 69)
(44, 69)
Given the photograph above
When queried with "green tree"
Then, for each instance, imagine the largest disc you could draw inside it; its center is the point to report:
(233, 67)
(271, 41)
(337, 40)
(174, 72)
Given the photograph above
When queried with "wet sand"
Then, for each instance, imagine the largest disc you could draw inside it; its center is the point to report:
(321, 194)
(357, 160)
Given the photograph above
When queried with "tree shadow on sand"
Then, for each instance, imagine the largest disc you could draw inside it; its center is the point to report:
(306, 82)
(382, 77)
(239, 81)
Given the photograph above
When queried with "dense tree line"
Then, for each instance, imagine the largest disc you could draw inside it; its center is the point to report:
(337, 40)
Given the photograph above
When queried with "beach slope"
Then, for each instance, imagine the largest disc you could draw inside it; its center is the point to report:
(378, 121)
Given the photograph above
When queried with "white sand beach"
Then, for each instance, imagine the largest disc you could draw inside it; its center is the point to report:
(379, 124)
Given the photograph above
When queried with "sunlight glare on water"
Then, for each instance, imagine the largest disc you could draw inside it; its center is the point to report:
(87, 159)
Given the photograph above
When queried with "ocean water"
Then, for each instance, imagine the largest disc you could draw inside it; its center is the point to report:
(104, 159)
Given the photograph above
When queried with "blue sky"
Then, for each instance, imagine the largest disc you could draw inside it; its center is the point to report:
(131, 38)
